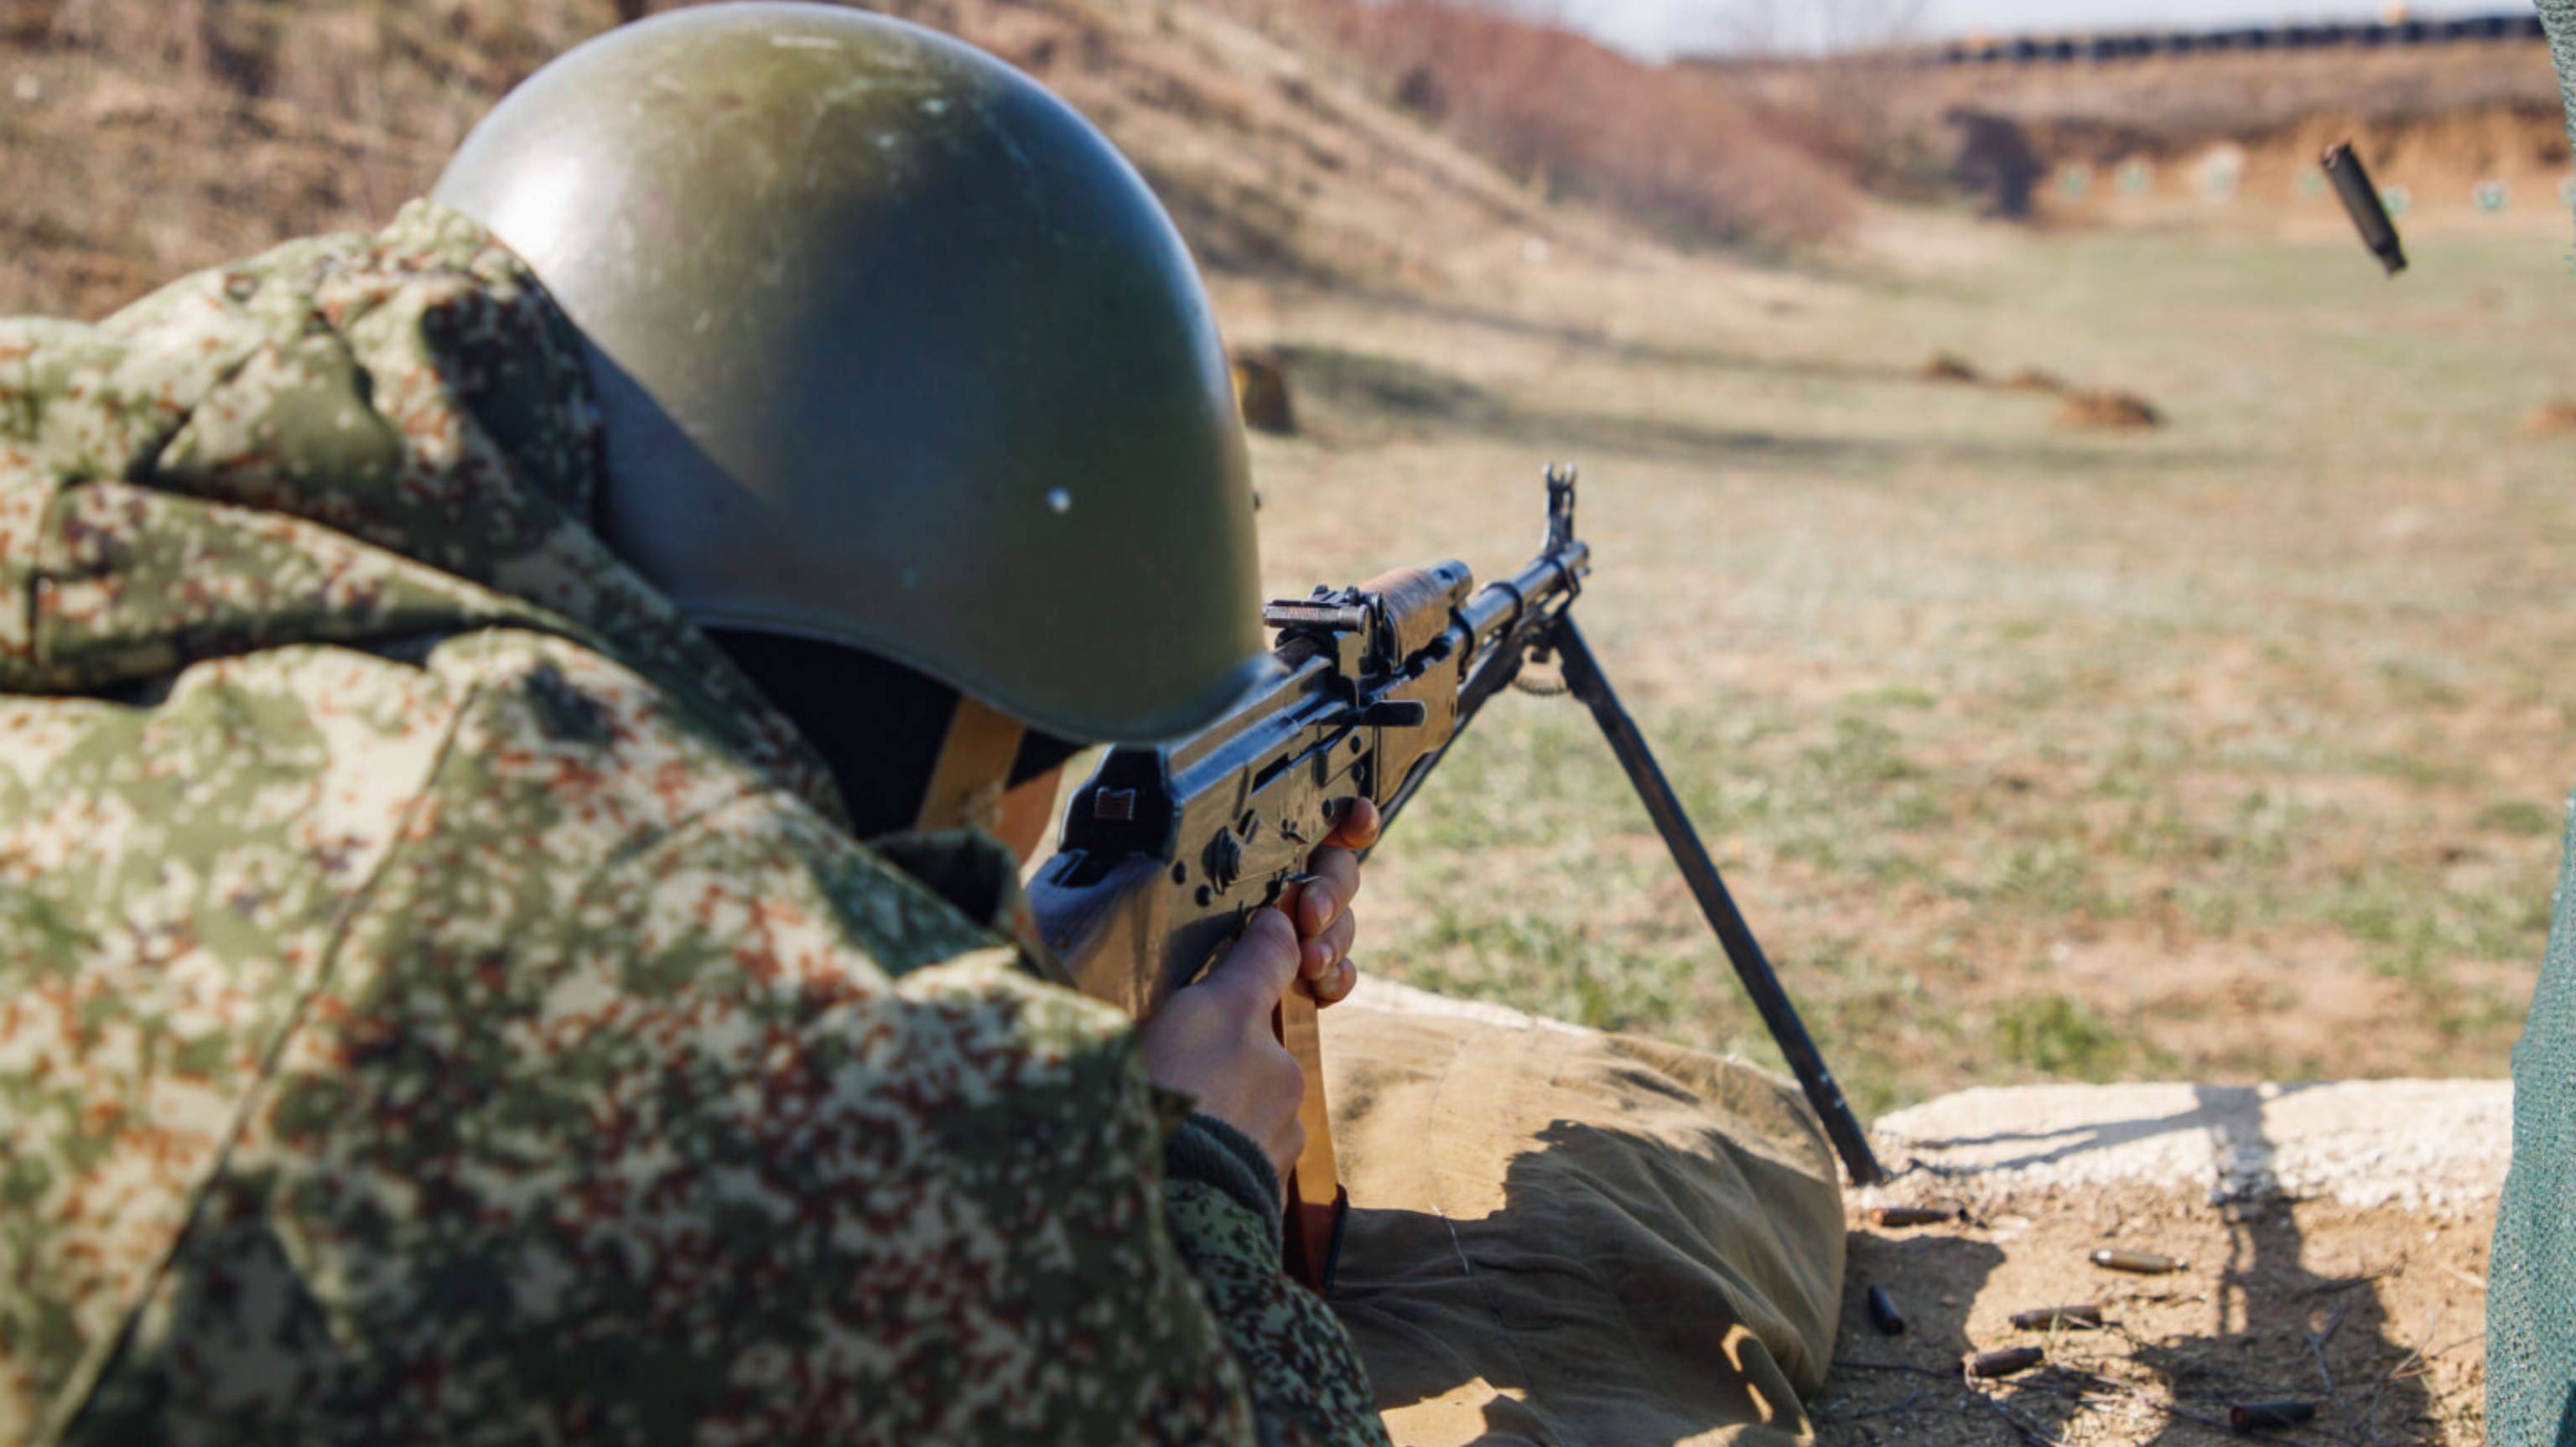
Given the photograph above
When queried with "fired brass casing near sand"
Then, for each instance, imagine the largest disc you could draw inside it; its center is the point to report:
(1883, 1314)
(1911, 1215)
(2084, 1316)
(2144, 1263)
(2255, 1416)
(2005, 1362)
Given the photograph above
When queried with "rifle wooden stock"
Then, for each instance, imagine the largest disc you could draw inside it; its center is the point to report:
(1315, 1195)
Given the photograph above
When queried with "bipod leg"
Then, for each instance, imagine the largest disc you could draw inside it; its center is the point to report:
(1584, 677)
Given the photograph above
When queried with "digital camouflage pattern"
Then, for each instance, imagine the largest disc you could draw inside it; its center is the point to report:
(438, 1002)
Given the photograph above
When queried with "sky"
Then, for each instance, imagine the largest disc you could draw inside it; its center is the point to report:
(1657, 27)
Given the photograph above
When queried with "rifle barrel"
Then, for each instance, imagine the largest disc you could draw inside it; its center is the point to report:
(1499, 605)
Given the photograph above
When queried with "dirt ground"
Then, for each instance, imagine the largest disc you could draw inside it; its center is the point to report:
(2332, 1242)
(2373, 1315)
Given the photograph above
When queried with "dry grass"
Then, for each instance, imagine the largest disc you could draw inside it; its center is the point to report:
(1668, 146)
(2227, 750)
(146, 139)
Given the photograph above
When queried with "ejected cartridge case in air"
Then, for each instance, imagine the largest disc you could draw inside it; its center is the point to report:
(2145, 1263)
(2084, 1316)
(1911, 1215)
(2005, 1362)
(2361, 202)
(2255, 1416)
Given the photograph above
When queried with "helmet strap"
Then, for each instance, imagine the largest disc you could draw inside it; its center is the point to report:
(965, 790)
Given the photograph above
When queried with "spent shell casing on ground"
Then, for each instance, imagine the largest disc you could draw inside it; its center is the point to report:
(1883, 1313)
(2005, 1362)
(2255, 1416)
(2082, 1315)
(2145, 1263)
(1910, 1215)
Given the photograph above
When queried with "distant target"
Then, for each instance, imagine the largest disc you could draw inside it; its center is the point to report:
(2220, 170)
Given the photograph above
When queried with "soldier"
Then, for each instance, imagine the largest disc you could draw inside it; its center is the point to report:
(446, 995)
(446, 680)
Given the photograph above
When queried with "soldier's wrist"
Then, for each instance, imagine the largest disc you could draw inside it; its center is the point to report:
(1208, 1151)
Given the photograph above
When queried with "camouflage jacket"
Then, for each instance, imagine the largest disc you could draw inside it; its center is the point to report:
(437, 1001)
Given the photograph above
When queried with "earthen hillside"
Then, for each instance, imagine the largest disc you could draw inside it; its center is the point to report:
(143, 139)
(2438, 120)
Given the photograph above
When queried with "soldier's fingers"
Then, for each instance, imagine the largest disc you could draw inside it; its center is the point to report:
(1258, 968)
(1358, 826)
(1328, 895)
(1337, 983)
(1321, 953)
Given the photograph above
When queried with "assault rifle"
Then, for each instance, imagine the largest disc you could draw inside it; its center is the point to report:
(1168, 850)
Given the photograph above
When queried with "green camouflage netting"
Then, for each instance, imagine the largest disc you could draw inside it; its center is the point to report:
(2531, 1307)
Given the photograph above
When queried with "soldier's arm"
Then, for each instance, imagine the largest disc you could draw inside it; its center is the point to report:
(1214, 1041)
(1297, 1361)
(974, 1157)
(1033, 1144)
(636, 1091)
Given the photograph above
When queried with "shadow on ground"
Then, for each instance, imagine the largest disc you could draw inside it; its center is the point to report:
(1629, 351)
(1361, 399)
(2253, 1320)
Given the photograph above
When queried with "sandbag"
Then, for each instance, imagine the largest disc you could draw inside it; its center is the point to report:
(1566, 1237)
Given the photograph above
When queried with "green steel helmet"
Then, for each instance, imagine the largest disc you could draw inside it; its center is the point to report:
(895, 351)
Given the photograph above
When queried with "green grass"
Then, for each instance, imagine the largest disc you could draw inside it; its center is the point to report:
(2060, 1036)
(2280, 685)
(2518, 817)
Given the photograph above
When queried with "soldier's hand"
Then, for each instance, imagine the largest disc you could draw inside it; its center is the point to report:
(1212, 1039)
(1322, 906)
